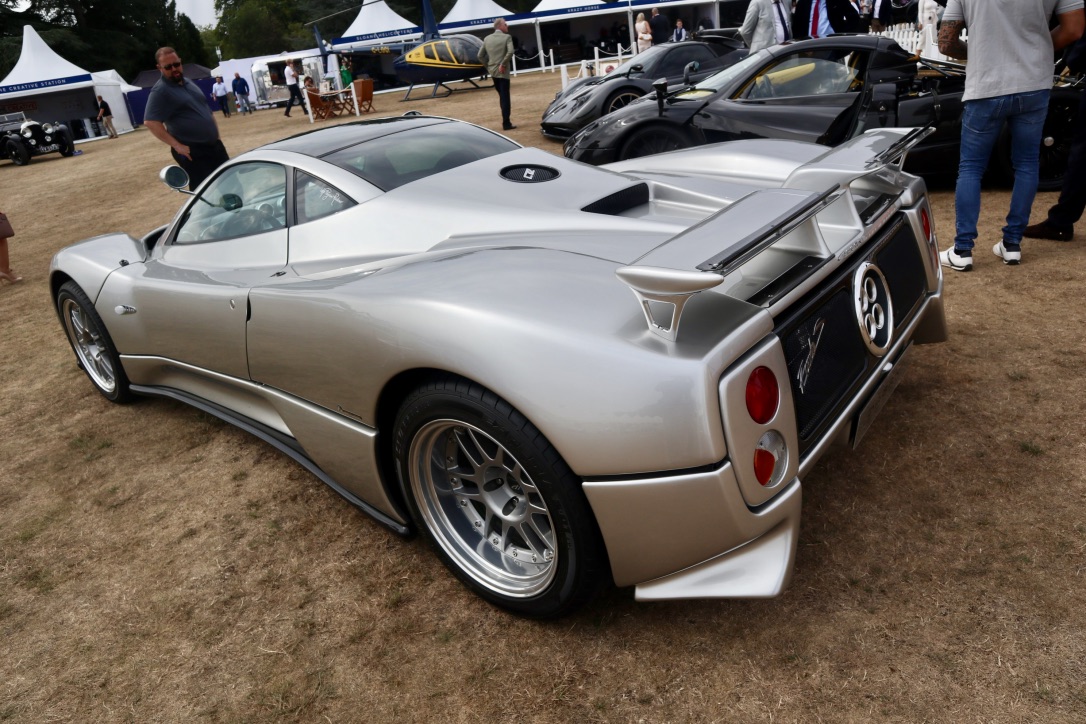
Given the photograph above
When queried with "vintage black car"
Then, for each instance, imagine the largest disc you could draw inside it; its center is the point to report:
(827, 91)
(586, 99)
(21, 138)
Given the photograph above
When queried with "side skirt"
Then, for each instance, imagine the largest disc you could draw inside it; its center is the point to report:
(284, 443)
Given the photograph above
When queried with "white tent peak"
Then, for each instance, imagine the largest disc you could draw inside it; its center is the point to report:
(467, 10)
(377, 17)
(38, 62)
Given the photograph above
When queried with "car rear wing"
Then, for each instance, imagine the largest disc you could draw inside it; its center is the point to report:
(766, 243)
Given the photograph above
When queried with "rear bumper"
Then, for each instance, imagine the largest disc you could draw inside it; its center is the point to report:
(693, 535)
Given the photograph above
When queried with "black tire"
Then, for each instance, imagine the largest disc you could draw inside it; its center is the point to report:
(66, 143)
(651, 140)
(17, 152)
(1056, 138)
(499, 505)
(93, 347)
(621, 99)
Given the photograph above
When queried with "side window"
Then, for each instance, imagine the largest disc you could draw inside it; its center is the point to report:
(245, 199)
(809, 73)
(314, 199)
(677, 59)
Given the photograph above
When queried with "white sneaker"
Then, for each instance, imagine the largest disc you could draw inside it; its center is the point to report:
(1009, 256)
(950, 258)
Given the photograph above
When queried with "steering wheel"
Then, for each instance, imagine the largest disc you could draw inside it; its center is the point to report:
(239, 223)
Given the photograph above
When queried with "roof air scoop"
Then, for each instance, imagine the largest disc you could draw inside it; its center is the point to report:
(664, 292)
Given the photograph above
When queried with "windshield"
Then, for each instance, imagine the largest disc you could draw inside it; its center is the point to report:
(719, 80)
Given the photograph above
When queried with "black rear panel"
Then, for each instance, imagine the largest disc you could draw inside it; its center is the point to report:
(824, 381)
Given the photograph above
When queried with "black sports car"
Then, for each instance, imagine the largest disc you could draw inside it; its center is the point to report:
(587, 99)
(825, 90)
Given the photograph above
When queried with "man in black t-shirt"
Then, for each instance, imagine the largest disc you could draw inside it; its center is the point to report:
(178, 115)
(106, 117)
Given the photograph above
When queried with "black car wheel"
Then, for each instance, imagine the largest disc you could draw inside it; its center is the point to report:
(17, 152)
(652, 140)
(66, 143)
(1056, 138)
(621, 99)
(501, 508)
(91, 343)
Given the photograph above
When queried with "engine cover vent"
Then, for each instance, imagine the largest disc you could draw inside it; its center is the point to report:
(529, 174)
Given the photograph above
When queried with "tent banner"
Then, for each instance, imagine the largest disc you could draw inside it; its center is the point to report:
(397, 34)
(43, 84)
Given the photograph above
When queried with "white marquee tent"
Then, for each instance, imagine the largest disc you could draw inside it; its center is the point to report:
(376, 21)
(46, 87)
(469, 13)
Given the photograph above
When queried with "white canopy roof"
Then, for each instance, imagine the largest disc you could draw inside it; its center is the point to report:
(377, 21)
(548, 5)
(109, 77)
(464, 11)
(40, 70)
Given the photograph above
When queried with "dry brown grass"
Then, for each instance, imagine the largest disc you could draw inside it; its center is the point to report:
(160, 565)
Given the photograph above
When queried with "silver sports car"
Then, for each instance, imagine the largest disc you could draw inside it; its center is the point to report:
(562, 375)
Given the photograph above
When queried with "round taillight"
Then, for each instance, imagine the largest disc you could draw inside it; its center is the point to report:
(763, 395)
(770, 458)
(925, 223)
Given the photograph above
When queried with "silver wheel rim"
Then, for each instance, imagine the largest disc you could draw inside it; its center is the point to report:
(483, 508)
(89, 347)
(622, 100)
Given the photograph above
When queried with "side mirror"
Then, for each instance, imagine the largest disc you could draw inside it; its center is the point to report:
(635, 68)
(691, 67)
(660, 86)
(231, 202)
(175, 177)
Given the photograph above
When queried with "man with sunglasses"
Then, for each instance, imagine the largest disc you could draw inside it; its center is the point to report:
(178, 115)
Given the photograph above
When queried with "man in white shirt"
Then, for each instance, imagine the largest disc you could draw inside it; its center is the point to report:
(291, 76)
(218, 91)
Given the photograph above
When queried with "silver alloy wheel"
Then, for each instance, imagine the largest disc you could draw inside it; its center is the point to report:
(622, 100)
(482, 508)
(89, 347)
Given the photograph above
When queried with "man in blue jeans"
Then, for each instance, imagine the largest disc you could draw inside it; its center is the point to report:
(1009, 64)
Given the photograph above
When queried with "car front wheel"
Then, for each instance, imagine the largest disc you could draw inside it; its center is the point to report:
(503, 511)
(653, 140)
(91, 343)
(621, 99)
(17, 153)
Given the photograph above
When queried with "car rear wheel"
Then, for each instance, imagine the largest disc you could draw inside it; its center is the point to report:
(653, 140)
(1056, 138)
(91, 343)
(503, 511)
(17, 153)
(621, 99)
(67, 145)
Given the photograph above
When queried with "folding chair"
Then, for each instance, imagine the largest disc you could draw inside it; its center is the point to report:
(363, 92)
(321, 108)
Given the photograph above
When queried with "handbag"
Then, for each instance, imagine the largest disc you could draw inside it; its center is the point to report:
(5, 226)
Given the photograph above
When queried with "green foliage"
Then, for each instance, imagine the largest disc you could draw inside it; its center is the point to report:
(103, 34)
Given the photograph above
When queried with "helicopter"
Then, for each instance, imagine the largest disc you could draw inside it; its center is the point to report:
(433, 58)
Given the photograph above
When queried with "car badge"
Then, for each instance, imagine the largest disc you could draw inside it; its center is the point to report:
(811, 343)
(874, 308)
(529, 174)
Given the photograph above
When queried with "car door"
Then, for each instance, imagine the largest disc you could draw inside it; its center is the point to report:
(810, 95)
(189, 301)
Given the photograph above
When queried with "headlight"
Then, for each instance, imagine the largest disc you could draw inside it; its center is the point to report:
(27, 133)
(580, 101)
(47, 127)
